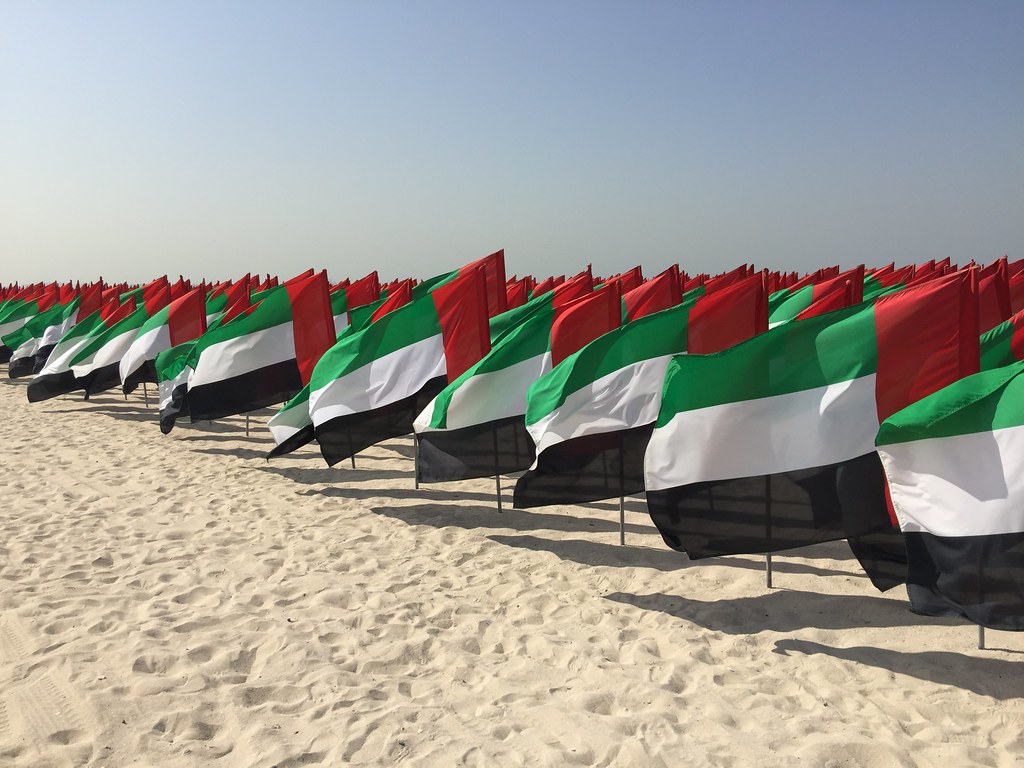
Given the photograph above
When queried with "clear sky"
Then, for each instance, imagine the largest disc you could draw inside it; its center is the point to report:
(213, 138)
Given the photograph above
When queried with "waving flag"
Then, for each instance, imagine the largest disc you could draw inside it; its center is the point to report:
(182, 320)
(371, 384)
(769, 445)
(955, 465)
(592, 415)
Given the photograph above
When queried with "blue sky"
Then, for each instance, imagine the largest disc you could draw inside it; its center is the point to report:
(215, 138)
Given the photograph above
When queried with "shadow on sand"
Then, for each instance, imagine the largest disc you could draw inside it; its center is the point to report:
(993, 677)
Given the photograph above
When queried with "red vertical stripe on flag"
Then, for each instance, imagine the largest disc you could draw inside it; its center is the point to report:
(312, 321)
(726, 317)
(494, 275)
(581, 321)
(575, 287)
(89, 301)
(186, 317)
(927, 338)
(365, 290)
(462, 312)
(400, 294)
(660, 292)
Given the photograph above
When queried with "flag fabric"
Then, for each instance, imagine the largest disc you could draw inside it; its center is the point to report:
(474, 428)
(56, 377)
(26, 342)
(848, 287)
(955, 466)
(590, 418)
(769, 445)
(95, 365)
(373, 382)
(1003, 344)
(182, 320)
(292, 426)
(263, 355)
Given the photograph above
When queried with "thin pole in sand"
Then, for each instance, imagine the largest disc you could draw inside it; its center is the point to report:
(497, 474)
(351, 450)
(246, 423)
(768, 530)
(622, 521)
(981, 637)
(416, 461)
(145, 393)
(622, 496)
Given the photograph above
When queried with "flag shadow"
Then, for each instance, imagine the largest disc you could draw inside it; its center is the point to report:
(479, 516)
(125, 412)
(783, 610)
(331, 476)
(416, 494)
(595, 553)
(985, 676)
(239, 453)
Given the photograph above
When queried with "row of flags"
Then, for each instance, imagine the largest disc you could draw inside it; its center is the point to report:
(757, 411)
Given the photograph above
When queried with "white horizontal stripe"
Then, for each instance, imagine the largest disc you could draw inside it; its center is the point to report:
(54, 333)
(143, 348)
(109, 353)
(489, 396)
(340, 322)
(243, 354)
(784, 433)
(626, 398)
(12, 326)
(967, 485)
(387, 379)
(166, 388)
(27, 349)
(286, 422)
(63, 354)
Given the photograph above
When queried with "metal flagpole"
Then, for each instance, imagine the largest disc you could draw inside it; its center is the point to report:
(981, 637)
(246, 423)
(351, 451)
(145, 392)
(622, 521)
(416, 460)
(768, 527)
(622, 495)
(497, 475)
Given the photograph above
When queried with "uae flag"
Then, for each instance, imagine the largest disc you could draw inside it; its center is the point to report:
(955, 466)
(27, 340)
(173, 368)
(180, 321)
(474, 427)
(769, 445)
(590, 418)
(97, 365)
(87, 302)
(292, 426)
(15, 316)
(56, 377)
(843, 290)
(1004, 344)
(373, 382)
(264, 355)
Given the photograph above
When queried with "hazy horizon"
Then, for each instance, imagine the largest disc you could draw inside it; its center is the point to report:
(213, 139)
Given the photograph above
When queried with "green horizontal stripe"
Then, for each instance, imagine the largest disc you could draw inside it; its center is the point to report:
(655, 335)
(983, 402)
(997, 346)
(406, 325)
(529, 339)
(793, 305)
(134, 320)
(816, 352)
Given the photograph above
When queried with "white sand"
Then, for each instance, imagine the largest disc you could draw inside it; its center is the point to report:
(176, 601)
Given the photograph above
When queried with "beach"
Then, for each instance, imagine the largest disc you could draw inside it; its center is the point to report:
(177, 600)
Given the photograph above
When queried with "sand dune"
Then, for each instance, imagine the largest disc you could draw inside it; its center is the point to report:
(177, 601)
